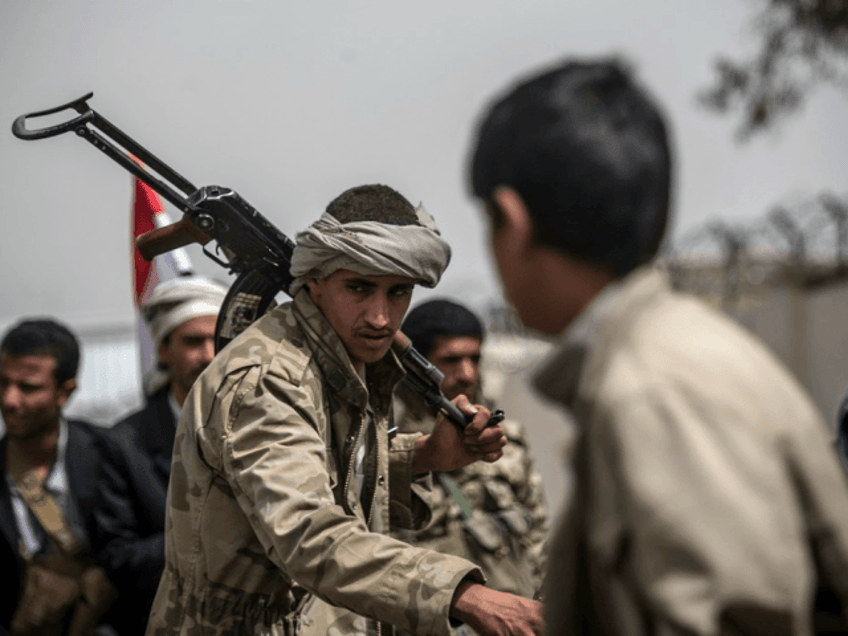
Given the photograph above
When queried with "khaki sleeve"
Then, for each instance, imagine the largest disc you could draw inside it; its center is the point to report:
(823, 490)
(274, 460)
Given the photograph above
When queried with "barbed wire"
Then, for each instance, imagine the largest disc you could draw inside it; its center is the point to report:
(802, 243)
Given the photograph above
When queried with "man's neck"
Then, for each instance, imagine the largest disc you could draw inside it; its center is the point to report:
(36, 452)
(567, 286)
(180, 394)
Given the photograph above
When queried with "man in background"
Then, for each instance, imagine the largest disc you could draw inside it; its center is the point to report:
(51, 468)
(493, 514)
(708, 497)
(181, 315)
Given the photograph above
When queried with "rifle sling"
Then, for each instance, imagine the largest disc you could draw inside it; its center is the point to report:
(453, 488)
(44, 507)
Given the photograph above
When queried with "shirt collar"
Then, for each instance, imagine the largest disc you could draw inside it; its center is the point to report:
(584, 329)
(57, 479)
(176, 409)
(559, 372)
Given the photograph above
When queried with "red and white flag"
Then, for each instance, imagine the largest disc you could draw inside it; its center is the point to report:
(148, 213)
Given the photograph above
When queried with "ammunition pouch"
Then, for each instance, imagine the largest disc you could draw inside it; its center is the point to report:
(61, 596)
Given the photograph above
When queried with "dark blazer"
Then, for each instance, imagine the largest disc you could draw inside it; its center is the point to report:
(85, 458)
(131, 513)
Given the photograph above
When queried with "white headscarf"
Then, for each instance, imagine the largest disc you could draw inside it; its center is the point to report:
(172, 303)
(370, 248)
(179, 300)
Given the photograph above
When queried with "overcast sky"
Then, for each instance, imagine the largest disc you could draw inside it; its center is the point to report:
(292, 103)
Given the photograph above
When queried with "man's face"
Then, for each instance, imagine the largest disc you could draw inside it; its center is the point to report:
(188, 351)
(30, 401)
(365, 311)
(458, 358)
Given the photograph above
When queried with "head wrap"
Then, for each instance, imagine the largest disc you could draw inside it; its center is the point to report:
(171, 304)
(370, 248)
(179, 300)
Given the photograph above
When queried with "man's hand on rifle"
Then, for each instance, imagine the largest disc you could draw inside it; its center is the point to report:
(448, 448)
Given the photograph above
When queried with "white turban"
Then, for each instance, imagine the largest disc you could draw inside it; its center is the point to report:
(370, 248)
(179, 300)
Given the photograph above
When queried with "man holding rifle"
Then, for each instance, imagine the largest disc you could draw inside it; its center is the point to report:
(493, 514)
(286, 468)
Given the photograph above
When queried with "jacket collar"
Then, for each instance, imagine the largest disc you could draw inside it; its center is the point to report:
(7, 515)
(83, 463)
(82, 458)
(595, 332)
(158, 432)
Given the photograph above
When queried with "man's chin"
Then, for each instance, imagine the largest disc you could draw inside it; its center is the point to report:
(196, 374)
(23, 432)
(374, 353)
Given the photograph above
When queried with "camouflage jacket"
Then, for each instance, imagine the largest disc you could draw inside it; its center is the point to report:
(708, 498)
(506, 532)
(265, 533)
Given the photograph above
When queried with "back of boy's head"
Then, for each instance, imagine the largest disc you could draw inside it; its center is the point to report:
(587, 150)
(439, 318)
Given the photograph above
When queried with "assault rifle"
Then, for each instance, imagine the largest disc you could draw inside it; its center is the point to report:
(247, 244)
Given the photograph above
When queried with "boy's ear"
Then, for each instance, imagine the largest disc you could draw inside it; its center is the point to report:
(516, 217)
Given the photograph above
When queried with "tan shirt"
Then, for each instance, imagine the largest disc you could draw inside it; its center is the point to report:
(706, 485)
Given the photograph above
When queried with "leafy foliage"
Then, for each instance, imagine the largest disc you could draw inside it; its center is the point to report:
(803, 43)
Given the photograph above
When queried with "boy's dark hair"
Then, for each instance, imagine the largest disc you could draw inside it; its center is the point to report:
(373, 203)
(588, 152)
(439, 318)
(43, 336)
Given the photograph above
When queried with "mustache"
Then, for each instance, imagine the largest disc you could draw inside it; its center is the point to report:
(369, 331)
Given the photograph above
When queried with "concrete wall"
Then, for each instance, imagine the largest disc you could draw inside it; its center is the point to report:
(808, 330)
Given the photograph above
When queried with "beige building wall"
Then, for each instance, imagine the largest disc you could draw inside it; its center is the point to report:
(808, 330)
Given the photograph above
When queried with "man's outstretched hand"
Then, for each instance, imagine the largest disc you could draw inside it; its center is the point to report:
(448, 448)
(492, 613)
